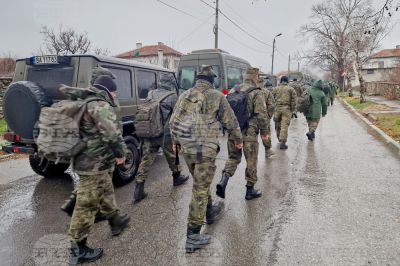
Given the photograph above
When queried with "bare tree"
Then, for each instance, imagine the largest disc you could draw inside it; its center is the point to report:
(68, 41)
(7, 65)
(341, 36)
(364, 42)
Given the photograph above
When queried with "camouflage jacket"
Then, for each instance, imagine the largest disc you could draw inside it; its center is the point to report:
(298, 86)
(259, 121)
(217, 110)
(102, 130)
(285, 98)
(270, 102)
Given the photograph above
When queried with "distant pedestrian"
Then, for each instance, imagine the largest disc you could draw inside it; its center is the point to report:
(318, 106)
(270, 105)
(334, 92)
(285, 106)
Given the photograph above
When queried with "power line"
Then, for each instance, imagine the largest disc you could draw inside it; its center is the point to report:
(196, 29)
(179, 10)
(206, 22)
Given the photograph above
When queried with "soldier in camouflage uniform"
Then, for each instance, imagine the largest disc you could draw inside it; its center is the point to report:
(69, 204)
(258, 123)
(270, 104)
(285, 105)
(334, 90)
(151, 145)
(95, 165)
(298, 86)
(200, 151)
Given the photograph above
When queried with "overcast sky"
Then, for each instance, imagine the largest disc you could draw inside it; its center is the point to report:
(118, 25)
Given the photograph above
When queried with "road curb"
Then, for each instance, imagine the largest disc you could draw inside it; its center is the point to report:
(382, 135)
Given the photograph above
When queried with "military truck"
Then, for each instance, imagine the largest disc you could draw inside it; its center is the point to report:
(230, 69)
(35, 85)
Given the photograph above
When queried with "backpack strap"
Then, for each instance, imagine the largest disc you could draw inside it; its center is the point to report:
(165, 97)
(252, 89)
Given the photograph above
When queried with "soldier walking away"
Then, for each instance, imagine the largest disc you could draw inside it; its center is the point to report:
(258, 121)
(334, 91)
(166, 93)
(69, 205)
(105, 148)
(285, 106)
(270, 105)
(298, 86)
(195, 128)
(318, 105)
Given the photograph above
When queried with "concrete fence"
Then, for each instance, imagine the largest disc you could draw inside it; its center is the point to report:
(389, 90)
(4, 82)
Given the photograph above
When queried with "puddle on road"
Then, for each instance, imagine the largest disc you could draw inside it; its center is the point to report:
(16, 203)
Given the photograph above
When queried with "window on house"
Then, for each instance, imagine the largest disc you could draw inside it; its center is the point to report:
(370, 71)
(146, 81)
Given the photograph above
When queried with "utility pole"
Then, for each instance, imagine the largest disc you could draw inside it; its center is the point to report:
(288, 69)
(298, 66)
(216, 24)
(273, 52)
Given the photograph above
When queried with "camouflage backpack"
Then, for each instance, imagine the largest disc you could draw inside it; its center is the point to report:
(148, 119)
(303, 102)
(189, 123)
(59, 137)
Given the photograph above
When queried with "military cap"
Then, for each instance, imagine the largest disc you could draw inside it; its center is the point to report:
(207, 70)
(101, 71)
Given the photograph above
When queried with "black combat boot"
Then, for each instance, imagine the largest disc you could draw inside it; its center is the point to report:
(139, 193)
(283, 146)
(179, 179)
(221, 186)
(118, 223)
(309, 135)
(252, 193)
(214, 212)
(195, 240)
(313, 135)
(69, 205)
(80, 253)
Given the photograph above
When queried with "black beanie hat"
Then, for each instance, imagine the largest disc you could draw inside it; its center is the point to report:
(105, 83)
(284, 79)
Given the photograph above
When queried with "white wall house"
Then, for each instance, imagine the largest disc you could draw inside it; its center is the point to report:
(159, 54)
(379, 66)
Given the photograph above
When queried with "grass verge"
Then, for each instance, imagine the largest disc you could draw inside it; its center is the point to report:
(390, 124)
(3, 126)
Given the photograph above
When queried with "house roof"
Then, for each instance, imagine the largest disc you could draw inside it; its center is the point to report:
(149, 50)
(387, 53)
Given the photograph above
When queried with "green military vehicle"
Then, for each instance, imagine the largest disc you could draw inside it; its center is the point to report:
(35, 85)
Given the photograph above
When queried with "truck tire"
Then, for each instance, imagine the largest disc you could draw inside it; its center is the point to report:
(22, 103)
(46, 168)
(126, 173)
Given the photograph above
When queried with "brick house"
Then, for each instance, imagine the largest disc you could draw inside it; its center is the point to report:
(159, 54)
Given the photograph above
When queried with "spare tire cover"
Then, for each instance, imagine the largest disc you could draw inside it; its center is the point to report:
(22, 103)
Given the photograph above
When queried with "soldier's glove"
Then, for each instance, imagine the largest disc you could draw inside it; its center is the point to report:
(294, 115)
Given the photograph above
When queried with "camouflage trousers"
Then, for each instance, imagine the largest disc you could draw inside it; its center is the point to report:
(203, 172)
(95, 194)
(250, 150)
(150, 147)
(312, 124)
(282, 123)
(267, 143)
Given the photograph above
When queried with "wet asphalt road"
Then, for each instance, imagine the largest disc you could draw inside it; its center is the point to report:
(335, 201)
